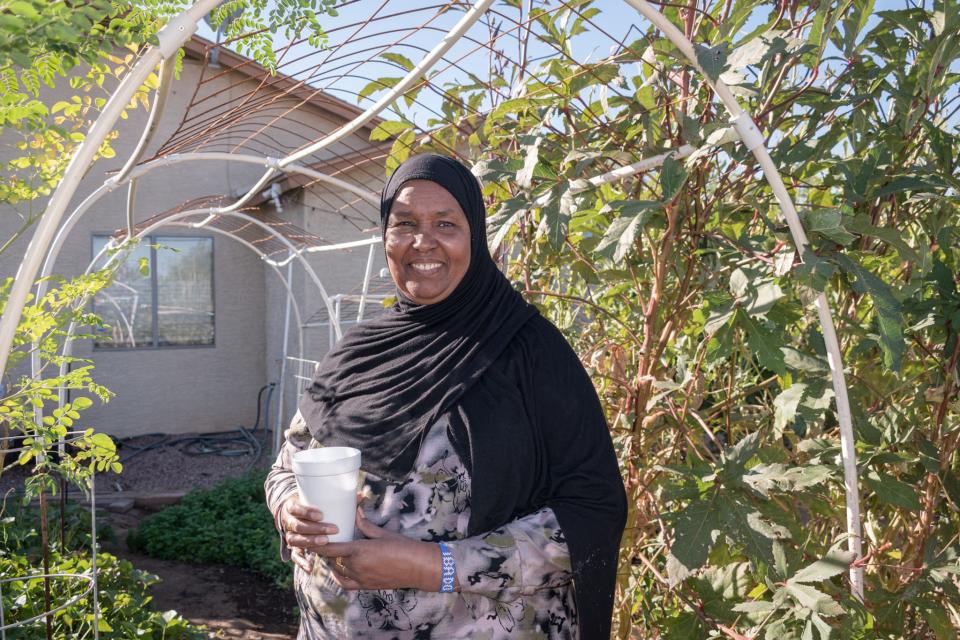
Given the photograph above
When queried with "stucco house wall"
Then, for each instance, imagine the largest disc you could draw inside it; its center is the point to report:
(187, 389)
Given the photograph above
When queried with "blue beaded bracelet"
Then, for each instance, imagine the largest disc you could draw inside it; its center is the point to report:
(448, 569)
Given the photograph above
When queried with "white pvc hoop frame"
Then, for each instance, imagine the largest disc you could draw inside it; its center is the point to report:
(183, 26)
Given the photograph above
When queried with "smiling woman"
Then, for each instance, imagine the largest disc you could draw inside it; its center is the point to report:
(427, 241)
(493, 503)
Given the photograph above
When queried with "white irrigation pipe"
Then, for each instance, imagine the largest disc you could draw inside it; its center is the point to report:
(645, 164)
(350, 244)
(283, 363)
(754, 141)
(158, 106)
(171, 37)
(159, 102)
(366, 282)
(272, 163)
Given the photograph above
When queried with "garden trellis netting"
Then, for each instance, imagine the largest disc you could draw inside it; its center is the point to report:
(388, 58)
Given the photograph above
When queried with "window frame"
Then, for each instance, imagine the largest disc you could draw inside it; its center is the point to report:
(155, 345)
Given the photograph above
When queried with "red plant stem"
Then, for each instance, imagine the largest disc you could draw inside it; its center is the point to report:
(45, 544)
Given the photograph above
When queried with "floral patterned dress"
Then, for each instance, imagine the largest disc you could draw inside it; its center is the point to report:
(515, 581)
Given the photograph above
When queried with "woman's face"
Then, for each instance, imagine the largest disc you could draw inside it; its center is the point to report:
(427, 242)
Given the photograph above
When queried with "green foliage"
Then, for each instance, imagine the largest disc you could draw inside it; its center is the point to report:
(681, 290)
(229, 524)
(251, 24)
(124, 602)
(41, 334)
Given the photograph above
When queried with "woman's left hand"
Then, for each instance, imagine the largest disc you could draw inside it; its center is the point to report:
(385, 560)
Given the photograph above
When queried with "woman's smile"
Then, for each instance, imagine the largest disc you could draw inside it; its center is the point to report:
(427, 268)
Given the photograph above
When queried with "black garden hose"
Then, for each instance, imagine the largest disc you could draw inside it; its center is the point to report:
(239, 442)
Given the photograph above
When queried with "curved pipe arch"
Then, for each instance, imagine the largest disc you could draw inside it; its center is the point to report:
(170, 38)
(755, 142)
(71, 329)
(141, 170)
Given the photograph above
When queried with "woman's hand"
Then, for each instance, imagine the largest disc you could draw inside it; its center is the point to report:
(304, 530)
(386, 560)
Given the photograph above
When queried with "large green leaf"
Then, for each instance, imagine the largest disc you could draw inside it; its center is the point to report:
(672, 176)
(695, 529)
(748, 528)
(764, 344)
(889, 314)
(832, 564)
(892, 491)
(713, 60)
(622, 232)
(828, 223)
(785, 406)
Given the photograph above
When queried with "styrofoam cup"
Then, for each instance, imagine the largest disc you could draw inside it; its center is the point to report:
(327, 480)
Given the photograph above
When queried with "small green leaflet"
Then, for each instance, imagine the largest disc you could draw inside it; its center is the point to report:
(377, 85)
(398, 59)
(389, 129)
(400, 150)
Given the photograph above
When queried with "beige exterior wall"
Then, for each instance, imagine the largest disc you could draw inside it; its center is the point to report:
(341, 272)
(176, 390)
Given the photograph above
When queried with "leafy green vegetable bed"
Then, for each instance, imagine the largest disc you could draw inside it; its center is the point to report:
(228, 524)
(124, 603)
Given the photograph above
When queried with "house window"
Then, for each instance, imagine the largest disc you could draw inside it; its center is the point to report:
(162, 296)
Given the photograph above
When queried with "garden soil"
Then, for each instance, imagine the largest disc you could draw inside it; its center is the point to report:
(232, 602)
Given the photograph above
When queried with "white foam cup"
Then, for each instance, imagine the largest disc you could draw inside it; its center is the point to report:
(327, 480)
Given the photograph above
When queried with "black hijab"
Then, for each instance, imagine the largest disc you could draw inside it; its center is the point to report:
(523, 413)
(389, 379)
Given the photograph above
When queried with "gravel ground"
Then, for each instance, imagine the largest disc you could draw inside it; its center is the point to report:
(170, 467)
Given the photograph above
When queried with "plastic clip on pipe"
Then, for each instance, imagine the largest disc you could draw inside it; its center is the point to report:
(749, 133)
